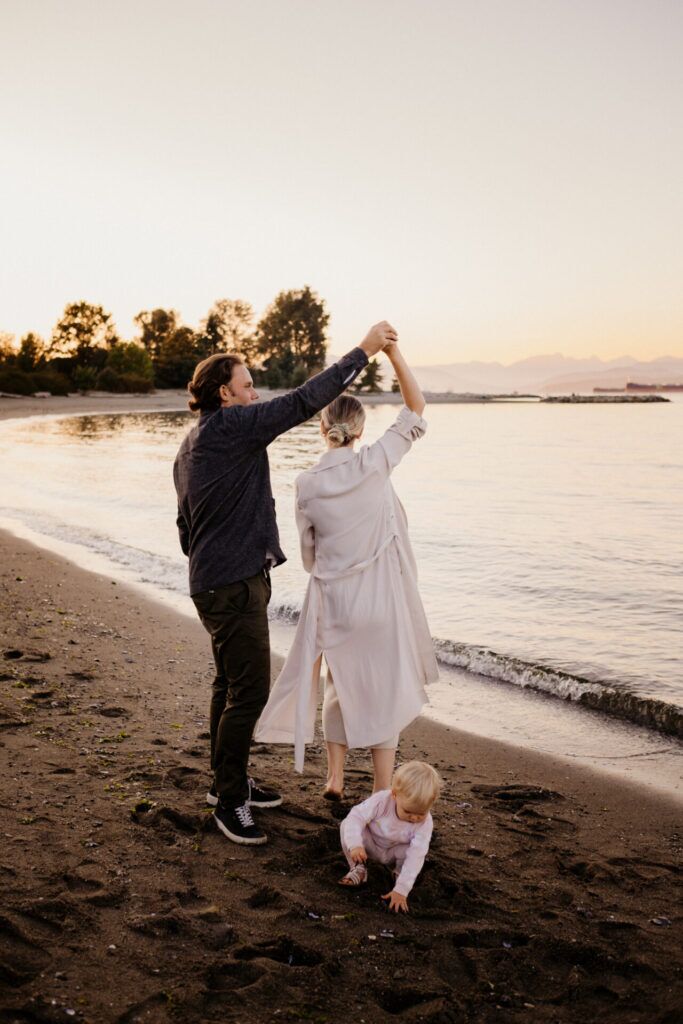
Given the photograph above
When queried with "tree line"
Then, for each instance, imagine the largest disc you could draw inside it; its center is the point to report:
(84, 352)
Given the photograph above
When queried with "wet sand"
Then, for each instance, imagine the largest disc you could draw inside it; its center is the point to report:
(550, 893)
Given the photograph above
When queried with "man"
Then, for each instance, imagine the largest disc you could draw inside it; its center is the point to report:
(226, 521)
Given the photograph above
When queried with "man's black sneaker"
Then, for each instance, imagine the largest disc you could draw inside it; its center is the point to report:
(238, 825)
(261, 797)
(258, 796)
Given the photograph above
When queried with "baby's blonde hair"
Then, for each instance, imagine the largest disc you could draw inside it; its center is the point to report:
(343, 420)
(418, 783)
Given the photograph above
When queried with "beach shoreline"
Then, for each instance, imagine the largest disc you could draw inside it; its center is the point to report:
(542, 895)
(175, 400)
(169, 400)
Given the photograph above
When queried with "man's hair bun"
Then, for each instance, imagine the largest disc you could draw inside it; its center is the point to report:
(207, 379)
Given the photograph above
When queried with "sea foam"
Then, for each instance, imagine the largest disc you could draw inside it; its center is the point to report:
(617, 702)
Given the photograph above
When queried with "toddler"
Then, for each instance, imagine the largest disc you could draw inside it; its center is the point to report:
(393, 827)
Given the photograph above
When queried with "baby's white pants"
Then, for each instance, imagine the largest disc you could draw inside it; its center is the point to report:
(392, 856)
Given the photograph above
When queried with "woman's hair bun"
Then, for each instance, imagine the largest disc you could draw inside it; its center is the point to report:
(339, 433)
(343, 420)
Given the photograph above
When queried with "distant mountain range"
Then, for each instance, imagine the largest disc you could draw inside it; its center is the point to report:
(551, 374)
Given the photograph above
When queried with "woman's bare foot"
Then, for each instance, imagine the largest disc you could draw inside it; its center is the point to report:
(358, 875)
(334, 783)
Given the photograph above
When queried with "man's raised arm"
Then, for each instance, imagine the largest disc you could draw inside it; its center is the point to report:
(262, 422)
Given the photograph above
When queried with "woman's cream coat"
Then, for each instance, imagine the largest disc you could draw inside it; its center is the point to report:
(362, 608)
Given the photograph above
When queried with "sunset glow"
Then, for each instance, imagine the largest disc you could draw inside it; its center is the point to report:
(498, 179)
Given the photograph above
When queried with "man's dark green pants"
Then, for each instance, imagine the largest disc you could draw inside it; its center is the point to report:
(236, 618)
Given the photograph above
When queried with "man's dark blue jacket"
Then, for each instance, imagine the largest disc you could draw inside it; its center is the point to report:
(226, 512)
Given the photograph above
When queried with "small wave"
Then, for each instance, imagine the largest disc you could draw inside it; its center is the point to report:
(144, 566)
(285, 612)
(618, 703)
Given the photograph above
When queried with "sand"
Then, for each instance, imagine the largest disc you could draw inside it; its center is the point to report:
(550, 893)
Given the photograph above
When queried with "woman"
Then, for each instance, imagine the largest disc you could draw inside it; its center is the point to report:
(362, 609)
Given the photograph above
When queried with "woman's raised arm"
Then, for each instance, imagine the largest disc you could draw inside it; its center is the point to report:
(410, 389)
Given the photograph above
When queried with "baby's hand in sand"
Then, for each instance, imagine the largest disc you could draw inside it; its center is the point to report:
(397, 901)
(358, 855)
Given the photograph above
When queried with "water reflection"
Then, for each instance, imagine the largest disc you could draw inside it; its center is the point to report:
(160, 425)
(298, 448)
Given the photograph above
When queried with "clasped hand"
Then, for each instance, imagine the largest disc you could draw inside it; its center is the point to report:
(379, 338)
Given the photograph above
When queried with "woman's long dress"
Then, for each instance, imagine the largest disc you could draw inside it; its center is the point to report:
(362, 608)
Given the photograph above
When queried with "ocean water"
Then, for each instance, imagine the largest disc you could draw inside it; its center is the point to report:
(549, 539)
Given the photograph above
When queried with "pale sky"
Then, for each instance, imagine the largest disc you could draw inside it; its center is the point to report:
(499, 178)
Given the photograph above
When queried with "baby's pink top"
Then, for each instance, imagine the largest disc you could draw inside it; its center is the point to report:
(378, 815)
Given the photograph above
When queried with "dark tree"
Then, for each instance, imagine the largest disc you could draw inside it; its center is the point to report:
(395, 386)
(157, 327)
(130, 357)
(228, 327)
(129, 368)
(31, 354)
(24, 371)
(8, 352)
(292, 332)
(370, 379)
(84, 333)
(176, 359)
(85, 377)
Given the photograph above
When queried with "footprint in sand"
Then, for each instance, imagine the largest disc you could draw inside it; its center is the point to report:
(53, 913)
(228, 977)
(10, 720)
(517, 794)
(168, 820)
(40, 695)
(206, 927)
(228, 984)
(21, 957)
(397, 999)
(14, 654)
(645, 871)
(113, 712)
(159, 924)
(283, 949)
(95, 885)
(265, 897)
(183, 777)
